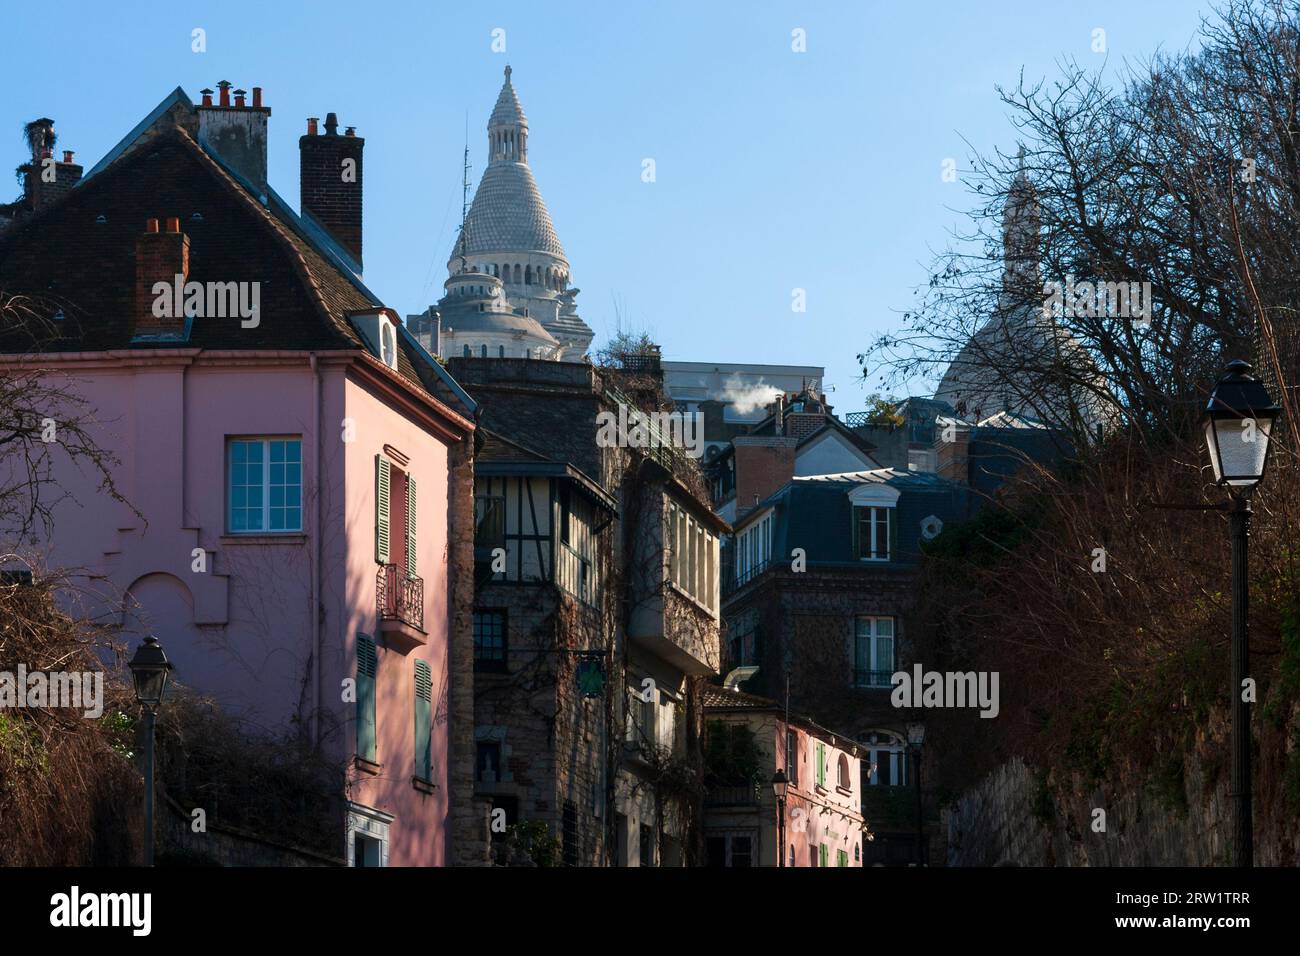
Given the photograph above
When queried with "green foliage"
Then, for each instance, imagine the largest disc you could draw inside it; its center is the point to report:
(534, 839)
(731, 755)
(985, 539)
(119, 728)
(883, 411)
(20, 741)
(1291, 776)
(1168, 783)
(1286, 688)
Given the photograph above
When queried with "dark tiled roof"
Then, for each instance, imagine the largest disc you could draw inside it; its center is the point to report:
(78, 255)
(718, 699)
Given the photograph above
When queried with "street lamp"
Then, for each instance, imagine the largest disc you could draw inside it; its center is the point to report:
(916, 737)
(149, 672)
(1238, 425)
(780, 783)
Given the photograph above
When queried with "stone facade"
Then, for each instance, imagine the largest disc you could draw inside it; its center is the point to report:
(1017, 816)
(549, 745)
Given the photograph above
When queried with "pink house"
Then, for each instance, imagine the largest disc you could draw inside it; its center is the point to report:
(822, 823)
(286, 449)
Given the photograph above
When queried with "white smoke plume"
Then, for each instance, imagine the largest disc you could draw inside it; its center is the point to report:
(745, 397)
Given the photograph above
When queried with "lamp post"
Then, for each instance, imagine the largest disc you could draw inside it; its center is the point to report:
(149, 671)
(1238, 424)
(780, 783)
(916, 737)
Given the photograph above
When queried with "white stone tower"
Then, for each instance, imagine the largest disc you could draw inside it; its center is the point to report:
(508, 236)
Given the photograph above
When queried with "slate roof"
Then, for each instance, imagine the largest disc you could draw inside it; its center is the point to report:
(79, 255)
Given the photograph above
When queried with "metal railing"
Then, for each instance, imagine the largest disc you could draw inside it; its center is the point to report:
(399, 596)
(744, 795)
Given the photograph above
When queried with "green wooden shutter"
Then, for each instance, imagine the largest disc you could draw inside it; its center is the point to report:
(423, 721)
(411, 566)
(823, 855)
(367, 667)
(821, 766)
(841, 858)
(383, 481)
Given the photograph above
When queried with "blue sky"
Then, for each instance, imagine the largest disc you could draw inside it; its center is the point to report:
(775, 170)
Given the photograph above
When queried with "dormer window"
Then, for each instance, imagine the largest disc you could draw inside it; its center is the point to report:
(874, 525)
(388, 344)
(379, 333)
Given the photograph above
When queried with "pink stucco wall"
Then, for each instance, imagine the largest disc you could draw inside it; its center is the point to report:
(242, 630)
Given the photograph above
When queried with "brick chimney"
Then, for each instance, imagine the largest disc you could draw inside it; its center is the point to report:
(329, 168)
(952, 458)
(160, 257)
(45, 178)
(763, 464)
(236, 132)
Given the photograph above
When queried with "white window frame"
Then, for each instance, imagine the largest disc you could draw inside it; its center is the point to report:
(691, 557)
(885, 750)
(265, 441)
(370, 823)
(880, 517)
(872, 636)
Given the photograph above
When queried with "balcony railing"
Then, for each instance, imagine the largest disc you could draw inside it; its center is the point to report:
(733, 581)
(744, 795)
(399, 596)
(863, 678)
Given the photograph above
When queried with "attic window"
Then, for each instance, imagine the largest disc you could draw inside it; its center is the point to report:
(388, 344)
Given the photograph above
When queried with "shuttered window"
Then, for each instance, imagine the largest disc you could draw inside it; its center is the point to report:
(367, 668)
(383, 483)
(423, 721)
(411, 566)
(821, 765)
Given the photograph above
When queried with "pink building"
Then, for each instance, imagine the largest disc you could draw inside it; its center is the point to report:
(285, 448)
(823, 823)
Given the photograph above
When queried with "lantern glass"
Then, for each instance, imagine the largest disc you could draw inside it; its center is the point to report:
(780, 783)
(149, 672)
(916, 733)
(1238, 448)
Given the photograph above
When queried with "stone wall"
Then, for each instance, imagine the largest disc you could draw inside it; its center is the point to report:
(1019, 817)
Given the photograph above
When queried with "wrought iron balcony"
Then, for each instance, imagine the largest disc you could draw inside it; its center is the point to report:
(399, 596)
(740, 795)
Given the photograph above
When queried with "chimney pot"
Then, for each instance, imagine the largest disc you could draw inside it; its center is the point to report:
(224, 87)
(351, 131)
(173, 224)
(151, 225)
(257, 97)
(239, 99)
(207, 97)
(67, 155)
(331, 124)
(311, 125)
